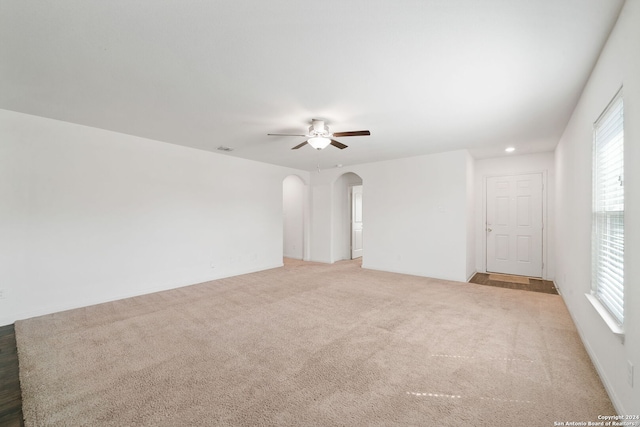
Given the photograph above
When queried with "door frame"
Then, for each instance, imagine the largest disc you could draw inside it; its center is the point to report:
(545, 223)
(350, 203)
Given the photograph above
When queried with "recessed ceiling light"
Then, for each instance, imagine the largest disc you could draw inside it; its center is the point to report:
(510, 149)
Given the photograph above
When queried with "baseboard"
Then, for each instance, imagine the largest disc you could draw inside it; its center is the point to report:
(411, 273)
(560, 293)
(596, 363)
(56, 308)
(323, 261)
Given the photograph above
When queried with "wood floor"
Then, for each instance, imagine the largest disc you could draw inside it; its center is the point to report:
(518, 282)
(10, 395)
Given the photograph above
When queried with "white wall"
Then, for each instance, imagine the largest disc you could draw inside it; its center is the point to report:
(321, 221)
(517, 165)
(414, 214)
(619, 64)
(88, 215)
(293, 202)
(342, 215)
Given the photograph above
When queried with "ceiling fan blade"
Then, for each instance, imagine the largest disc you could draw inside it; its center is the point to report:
(299, 145)
(283, 134)
(340, 145)
(352, 133)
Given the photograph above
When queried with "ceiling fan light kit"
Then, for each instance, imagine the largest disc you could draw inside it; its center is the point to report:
(319, 142)
(320, 137)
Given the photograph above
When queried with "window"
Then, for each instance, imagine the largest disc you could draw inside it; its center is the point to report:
(607, 242)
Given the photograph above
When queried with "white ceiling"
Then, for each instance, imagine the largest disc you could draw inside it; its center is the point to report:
(423, 76)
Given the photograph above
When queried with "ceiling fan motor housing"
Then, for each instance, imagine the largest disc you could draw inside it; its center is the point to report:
(318, 128)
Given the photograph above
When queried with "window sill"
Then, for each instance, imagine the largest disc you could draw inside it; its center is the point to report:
(606, 316)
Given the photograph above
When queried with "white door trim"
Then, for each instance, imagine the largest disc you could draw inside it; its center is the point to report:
(355, 253)
(483, 235)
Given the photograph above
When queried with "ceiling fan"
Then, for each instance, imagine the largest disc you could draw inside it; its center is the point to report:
(320, 137)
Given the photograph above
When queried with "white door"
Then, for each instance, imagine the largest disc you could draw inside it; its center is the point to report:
(514, 225)
(356, 221)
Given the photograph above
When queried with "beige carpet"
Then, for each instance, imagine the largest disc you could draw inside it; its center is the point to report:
(311, 345)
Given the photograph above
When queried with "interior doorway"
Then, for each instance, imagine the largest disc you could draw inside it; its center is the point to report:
(514, 224)
(348, 236)
(356, 221)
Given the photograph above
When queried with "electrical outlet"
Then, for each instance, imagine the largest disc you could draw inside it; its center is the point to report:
(3, 293)
(630, 373)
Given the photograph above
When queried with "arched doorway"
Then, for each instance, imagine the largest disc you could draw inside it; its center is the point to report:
(293, 217)
(347, 217)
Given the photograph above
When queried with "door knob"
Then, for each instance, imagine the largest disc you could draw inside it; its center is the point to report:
(489, 230)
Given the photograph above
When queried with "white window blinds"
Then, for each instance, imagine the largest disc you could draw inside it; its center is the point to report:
(608, 209)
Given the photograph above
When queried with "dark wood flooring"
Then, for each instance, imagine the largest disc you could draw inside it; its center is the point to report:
(10, 394)
(533, 285)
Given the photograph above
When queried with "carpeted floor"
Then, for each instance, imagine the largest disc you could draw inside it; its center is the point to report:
(314, 345)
